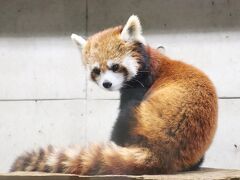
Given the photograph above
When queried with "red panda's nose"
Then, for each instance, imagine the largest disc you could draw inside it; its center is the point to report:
(107, 84)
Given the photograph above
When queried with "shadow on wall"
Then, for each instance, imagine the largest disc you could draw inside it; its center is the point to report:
(62, 17)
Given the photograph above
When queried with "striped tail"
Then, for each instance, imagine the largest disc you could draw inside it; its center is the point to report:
(96, 159)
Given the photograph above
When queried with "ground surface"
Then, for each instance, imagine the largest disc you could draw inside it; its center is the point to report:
(204, 173)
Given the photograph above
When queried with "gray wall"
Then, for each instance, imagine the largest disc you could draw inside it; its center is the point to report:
(45, 94)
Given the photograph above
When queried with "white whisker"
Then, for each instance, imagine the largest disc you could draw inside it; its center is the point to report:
(127, 85)
(143, 71)
(139, 82)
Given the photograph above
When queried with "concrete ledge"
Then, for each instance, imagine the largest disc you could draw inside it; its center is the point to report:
(203, 173)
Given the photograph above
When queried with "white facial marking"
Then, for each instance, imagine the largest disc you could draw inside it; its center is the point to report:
(95, 65)
(90, 67)
(131, 65)
(110, 63)
(116, 79)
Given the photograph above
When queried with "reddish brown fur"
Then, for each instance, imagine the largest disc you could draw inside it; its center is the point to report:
(180, 111)
(177, 117)
(106, 45)
(97, 159)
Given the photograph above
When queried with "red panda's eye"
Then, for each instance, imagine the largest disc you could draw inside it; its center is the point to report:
(115, 67)
(96, 71)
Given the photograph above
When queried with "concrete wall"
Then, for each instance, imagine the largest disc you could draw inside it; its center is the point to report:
(45, 95)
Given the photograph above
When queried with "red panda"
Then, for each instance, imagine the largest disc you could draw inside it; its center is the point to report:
(167, 118)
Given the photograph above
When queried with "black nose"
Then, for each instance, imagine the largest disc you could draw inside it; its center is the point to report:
(107, 84)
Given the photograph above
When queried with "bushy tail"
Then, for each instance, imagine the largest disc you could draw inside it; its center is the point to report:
(96, 159)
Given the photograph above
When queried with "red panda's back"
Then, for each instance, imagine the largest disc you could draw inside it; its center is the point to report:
(179, 114)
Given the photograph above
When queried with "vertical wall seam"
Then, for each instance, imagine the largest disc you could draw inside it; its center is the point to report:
(86, 32)
(86, 16)
(86, 80)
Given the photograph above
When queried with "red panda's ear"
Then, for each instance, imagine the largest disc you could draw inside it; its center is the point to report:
(132, 31)
(78, 40)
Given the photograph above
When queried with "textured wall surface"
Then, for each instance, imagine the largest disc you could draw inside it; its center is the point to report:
(45, 95)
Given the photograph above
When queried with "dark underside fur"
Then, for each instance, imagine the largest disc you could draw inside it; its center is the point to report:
(131, 96)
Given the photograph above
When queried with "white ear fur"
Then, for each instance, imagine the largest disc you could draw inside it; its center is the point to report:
(132, 31)
(78, 40)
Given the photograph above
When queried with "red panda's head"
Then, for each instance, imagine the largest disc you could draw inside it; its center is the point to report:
(114, 56)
